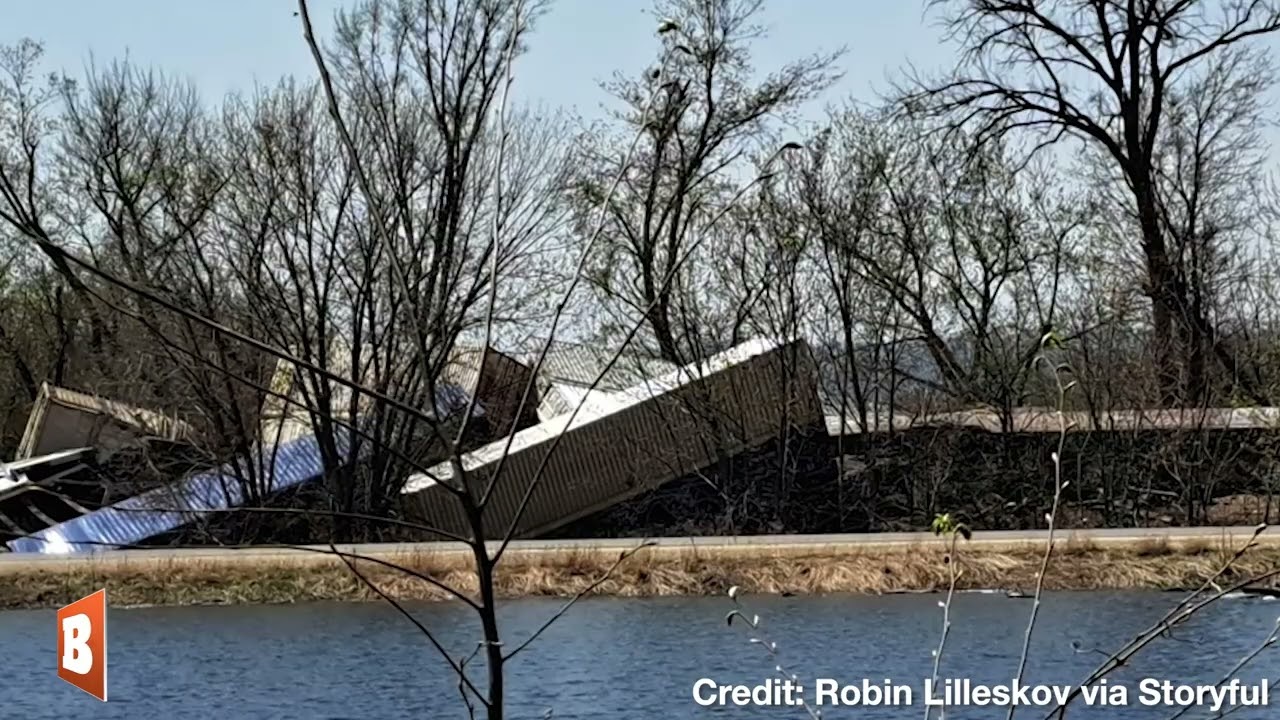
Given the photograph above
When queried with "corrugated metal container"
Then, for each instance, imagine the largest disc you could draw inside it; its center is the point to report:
(159, 511)
(1046, 420)
(622, 444)
(584, 364)
(63, 419)
(569, 371)
(284, 421)
(498, 391)
(556, 398)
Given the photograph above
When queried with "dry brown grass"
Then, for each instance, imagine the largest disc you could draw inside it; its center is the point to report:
(1153, 547)
(1077, 545)
(1157, 565)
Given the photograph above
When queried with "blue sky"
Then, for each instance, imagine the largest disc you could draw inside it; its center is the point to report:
(232, 44)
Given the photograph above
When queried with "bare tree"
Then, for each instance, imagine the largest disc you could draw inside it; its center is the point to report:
(308, 256)
(386, 226)
(1109, 74)
(461, 54)
(40, 322)
(122, 168)
(696, 143)
(968, 248)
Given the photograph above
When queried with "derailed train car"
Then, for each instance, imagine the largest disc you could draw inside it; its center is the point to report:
(620, 444)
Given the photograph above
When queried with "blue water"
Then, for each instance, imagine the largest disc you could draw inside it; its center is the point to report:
(622, 659)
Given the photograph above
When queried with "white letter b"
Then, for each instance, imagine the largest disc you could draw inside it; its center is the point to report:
(76, 655)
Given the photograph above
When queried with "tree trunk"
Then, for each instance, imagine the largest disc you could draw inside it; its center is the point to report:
(1169, 324)
(660, 323)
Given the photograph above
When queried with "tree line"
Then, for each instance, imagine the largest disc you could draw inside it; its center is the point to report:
(1092, 170)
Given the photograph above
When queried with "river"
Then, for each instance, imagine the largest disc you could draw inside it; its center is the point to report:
(621, 659)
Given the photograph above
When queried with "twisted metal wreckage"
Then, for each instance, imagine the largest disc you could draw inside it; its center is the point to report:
(604, 430)
(601, 431)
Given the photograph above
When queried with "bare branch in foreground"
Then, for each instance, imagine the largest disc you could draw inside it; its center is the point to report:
(1179, 614)
(1271, 639)
(753, 623)
(1058, 486)
(622, 557)
(953, 575)
(457, 669)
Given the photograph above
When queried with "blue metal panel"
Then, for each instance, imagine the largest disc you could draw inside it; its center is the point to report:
(158, 511)
(144, 516)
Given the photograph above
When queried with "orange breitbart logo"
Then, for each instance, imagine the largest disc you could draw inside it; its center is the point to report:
(82, 644)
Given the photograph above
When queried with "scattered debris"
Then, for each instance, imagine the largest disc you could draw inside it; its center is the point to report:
(63, 419)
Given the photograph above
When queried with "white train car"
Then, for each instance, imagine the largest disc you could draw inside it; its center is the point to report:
(621, 444)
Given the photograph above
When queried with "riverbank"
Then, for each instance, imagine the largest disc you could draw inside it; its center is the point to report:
(1158, 563)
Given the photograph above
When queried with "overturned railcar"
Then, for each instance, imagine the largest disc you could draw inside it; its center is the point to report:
(620, 444)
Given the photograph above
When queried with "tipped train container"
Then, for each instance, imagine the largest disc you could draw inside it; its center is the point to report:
(63, 419)
(619, 444)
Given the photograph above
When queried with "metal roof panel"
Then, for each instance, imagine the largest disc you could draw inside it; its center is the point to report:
(162, 510)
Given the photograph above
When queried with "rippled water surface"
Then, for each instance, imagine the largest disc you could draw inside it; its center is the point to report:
(610, 658)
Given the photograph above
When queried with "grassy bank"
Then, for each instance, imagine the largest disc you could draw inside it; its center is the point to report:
(1153, 564)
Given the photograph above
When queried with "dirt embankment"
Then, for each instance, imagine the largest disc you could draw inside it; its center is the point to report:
(1159, 564)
